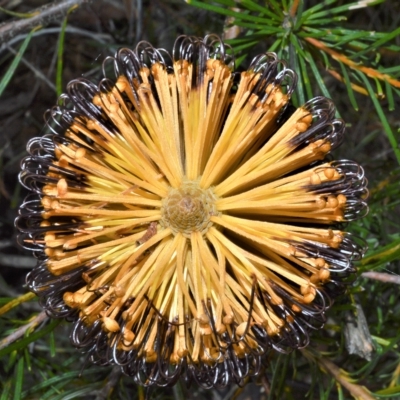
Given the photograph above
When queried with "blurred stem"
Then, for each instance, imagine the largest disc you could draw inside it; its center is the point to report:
(21, 331)
(140, 392)
(16, 302)
(382, 276)
(341, 376)
(112, 381)
(60, 53)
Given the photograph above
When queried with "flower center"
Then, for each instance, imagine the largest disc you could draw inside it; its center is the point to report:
(188, 208)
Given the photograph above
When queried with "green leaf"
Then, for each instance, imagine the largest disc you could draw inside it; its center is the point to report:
(305, 76)
(317, 75)
(244, 46)
(275, 377)
(278, 8)
(52, 344)
(282, 377)
(390, 70)
(63, 377)
(6, 390)
(294, 61)
(378, 43)
(60, 53)
(347, 82)
(381, 256)
(228, 3)
(20, 344)
(252, 6)
(240, 59)
(239, 16)
(19, 378)
(275, 45)
(27, 359)
(382, 116)
(76, 393)
(395, 390)
(10, 72)
(16, 14)
(365, 140)
(351, 38)
(340, 9)
(389, 96)
(324, 21)
(316, 8)
(270, 30)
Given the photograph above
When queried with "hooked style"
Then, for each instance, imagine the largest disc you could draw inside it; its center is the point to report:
(185, 218)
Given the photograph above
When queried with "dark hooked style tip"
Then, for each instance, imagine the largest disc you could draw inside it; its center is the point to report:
(185, 216)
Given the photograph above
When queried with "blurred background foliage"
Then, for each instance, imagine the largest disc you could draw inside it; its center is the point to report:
(345, 50)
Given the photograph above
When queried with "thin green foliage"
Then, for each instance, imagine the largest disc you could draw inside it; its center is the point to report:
(60, 54)
(381, 257)
(388, 392)
(61, 380)
(16, 14)
(20, 344)
(382, 116)
(6, 389)
(276, 377)
(76, 393)
(52, 344)
(317, 75)
(349, 88)
(12, 68)
(19, 378)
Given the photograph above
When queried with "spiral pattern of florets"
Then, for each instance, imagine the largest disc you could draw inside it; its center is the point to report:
(188, 209)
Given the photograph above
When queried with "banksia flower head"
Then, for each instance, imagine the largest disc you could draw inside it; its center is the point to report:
(184, 217)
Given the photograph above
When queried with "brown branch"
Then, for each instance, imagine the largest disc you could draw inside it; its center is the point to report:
(357, 391)
(265, 384)
(14, 261)
(356, 332)
(41, 17)
(112, 381)
(21, 331)
(371, 72)
(294, 7)
(355, 87)
(382, 276)
(16, 302)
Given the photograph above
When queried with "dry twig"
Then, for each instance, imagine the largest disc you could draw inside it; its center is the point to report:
(14, 261)
(357, 391)
(41, 17)
(112, 381)
(382, 276)
(21, 331)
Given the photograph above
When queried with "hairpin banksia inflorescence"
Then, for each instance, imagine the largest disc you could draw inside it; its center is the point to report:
(184, 217)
